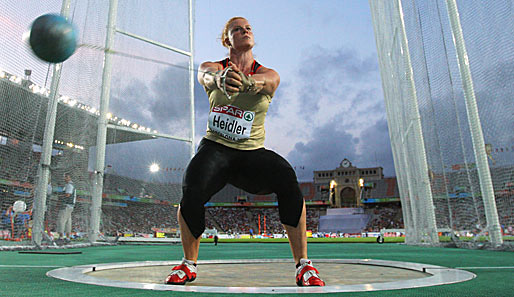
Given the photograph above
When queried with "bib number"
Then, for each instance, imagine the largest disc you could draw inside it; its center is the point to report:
(231, 122)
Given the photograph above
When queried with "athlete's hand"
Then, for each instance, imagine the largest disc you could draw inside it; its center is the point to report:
(248, 84)
(232, 81)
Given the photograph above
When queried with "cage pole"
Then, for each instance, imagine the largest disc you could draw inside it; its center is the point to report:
(46, 151)
(191, 78)
(423, 190)
(477, 137)
(101, 138)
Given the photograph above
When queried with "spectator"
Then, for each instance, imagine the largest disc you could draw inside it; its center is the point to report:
(68, 199)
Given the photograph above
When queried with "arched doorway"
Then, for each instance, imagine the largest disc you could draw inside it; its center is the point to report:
(348, 197)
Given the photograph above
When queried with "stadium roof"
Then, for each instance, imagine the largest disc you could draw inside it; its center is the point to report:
(23, 116)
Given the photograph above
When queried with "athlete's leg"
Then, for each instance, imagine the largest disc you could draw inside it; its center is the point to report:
(298, 238)
(190, 244)
(206, 174)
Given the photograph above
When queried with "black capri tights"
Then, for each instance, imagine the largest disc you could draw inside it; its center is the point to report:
(259, 171)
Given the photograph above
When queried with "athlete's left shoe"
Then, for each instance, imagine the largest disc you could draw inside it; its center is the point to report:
(307, 275)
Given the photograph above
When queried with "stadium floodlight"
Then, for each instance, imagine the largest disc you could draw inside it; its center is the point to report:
(154, 167)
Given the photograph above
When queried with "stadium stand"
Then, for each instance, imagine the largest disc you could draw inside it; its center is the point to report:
(124, 211)
(387, 216)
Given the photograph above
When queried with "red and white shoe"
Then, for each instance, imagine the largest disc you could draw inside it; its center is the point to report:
(307, 275)
(181, 274)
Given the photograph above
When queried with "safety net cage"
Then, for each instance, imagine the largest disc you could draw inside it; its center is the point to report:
(104, 136)
(448, 76)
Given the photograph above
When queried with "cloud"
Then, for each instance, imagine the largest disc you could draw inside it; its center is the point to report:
(330, 77)
(131, 102)
(327, 85)
(331, 144)
(170, 96)
(162, 103)
(332, 109)
(375, 148)
(325, 150)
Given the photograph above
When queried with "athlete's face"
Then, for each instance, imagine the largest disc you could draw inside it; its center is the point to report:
(240, 34)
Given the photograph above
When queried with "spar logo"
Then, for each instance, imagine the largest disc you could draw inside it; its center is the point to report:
(231, 110)
(248, 116)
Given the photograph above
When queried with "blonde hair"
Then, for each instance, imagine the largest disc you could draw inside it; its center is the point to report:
(224, 33)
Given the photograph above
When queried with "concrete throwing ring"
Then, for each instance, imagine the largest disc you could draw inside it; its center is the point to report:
(266, 276)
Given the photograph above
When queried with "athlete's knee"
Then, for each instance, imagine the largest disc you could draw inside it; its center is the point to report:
(285, 185)
(192, 210)
(290, 204)
(283, 173)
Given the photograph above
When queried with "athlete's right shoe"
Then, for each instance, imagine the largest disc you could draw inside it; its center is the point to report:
(307, 275)
(181, 274)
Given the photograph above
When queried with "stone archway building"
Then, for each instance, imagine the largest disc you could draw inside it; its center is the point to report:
(340, 186)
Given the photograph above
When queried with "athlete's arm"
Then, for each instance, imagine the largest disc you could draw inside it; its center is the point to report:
(209, 76)
(266, 80)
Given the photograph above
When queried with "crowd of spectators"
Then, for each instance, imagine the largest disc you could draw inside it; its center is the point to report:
(269, 218)
(241, 220)
(233, 219)
(313, 215)
(384, 217)
(142, 217)
(138, 218)
(135, 218)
